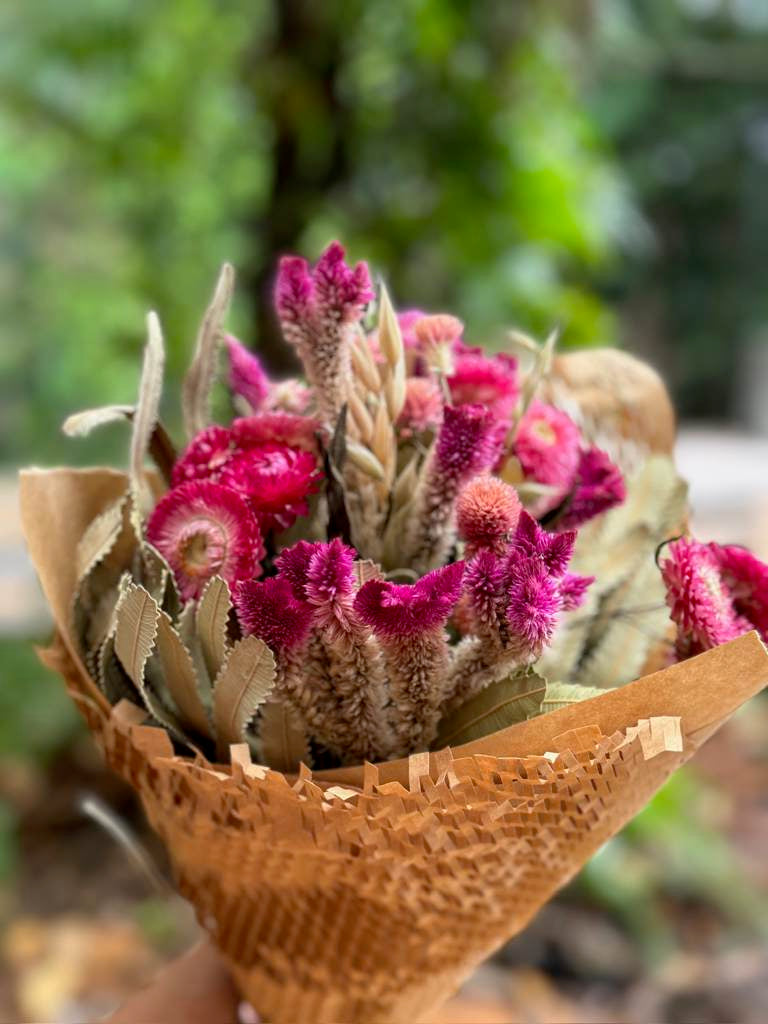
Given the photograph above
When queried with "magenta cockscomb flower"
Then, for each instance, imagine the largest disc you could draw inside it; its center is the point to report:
(269, 610)
(573, 590)
(276, 480)
(531, 542)
(467, 444)
(599, 486)
(547, 446)
(202, 530)
(399, 610)
(423, 407)
(247, 377)
(329, 586)
(491, 381)
(485, 583)
(699, 598)
(533, 604)
(487, 512)
(316, 309)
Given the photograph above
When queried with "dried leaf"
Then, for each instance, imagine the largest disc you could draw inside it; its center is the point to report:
(80, 424)
(114, 681)
(242, 685)
(562, 695)
(211, 620)
(196, 389)
(497, 706)
(137, 617)
(282, 739)
(180, 677)
(338, 515)
(147, 409)
(100, 537)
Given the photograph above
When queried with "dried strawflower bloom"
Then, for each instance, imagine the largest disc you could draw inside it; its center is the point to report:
(203, 530)
(204, 456)
(423, 407)
(247, 376)
(276, 480)
(491, 381)
(276, 426)
(599, 487)
(547, 445)
(487, 512)
(699, 598)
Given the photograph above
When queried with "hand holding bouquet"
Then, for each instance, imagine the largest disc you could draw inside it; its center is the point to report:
(416, 546)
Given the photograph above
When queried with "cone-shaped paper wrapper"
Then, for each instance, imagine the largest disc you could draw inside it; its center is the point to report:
(369, 893)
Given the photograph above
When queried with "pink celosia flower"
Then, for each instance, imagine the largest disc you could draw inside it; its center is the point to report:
(491, 381)
(328, 585)
(276, 480)
(533, 603)
(293, 565)
(247, 376)
(485, 581)
(401, 610)
(467, 444)
(487, 512)
(276, 427)
(316, 309)
(269, 610)
(547, 445)
(203, 530)
(531, 542)
(423, 407)
(700, 600)
(599, 487)
(573, 590)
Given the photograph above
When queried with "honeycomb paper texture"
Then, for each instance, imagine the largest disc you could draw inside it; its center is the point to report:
(369, 893)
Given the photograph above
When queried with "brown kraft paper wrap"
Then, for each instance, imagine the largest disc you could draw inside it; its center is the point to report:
(369, 893)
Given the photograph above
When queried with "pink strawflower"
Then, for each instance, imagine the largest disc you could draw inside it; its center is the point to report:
(204, 456)
(269, 610)
(573, 590)
(423, 407)
(599, 486)
(547, 445)
(491, 381)
(247, 376)
(203, 529)
(437, 329)
(533, 604)
(699, 598)
(532, 543)
(397, 611)
(276, 480)
(747, 579)
(487, 512)
(407, 320)
(276, 427)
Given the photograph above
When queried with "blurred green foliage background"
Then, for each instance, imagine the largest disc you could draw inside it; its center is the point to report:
(595, 163)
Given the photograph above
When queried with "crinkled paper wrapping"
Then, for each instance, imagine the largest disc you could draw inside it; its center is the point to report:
(369, 893)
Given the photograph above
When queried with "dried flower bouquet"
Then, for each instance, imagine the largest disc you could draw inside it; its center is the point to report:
(417, 546)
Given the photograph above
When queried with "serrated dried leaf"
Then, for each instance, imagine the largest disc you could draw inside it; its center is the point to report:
(180, 677)
(562, 695)
(100, 537)
(113, 680)
(282, 740)
(80, 424)
(137, 617)
(242, 685)
(196, 389)
(148, 406)
(211, 620)
(497, 706)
